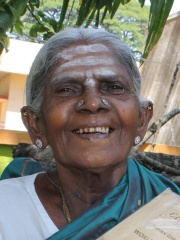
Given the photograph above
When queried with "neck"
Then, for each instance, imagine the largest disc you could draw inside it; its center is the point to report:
(85, 187)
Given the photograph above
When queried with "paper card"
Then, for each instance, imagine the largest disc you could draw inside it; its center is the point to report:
(157, 220)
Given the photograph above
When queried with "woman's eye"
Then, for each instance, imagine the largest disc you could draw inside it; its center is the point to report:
(116, 89)
(65, 90)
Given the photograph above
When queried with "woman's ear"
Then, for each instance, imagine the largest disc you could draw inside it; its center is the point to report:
(33, 125)
(146, 113)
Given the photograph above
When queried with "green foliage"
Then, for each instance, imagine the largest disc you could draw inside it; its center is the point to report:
(49, 17)
(10, 12)
(129, 23)
(116, 6)
(159, 12)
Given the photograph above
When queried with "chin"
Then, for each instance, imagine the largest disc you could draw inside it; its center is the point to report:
(99, 165)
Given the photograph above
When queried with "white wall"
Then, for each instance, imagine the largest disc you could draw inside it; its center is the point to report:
(14, 68)
(20, 57)
(15, 102)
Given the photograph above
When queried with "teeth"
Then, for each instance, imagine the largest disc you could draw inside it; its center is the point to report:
(98, 129)
(93, 130)
(86, 130)
(103, 130)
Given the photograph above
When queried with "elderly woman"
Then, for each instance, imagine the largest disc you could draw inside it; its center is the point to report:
(83, 101)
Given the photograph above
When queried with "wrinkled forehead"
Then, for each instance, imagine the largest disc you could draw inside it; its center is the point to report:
(89, 58)
(76, 50)
(88, 62)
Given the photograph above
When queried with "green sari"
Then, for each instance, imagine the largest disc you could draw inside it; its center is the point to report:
(138, 187)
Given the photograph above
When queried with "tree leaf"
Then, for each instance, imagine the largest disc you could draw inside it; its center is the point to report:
(141, 2)
(35, 3)
(63, 12)
(100, 4)
(91, 17)
(41, 14)
(109, 5)
(159, 12)
(37, 28)
(47, 35)
(115, 7)
(125, 1)
(31, 6)
(97, 18)
(4, 41)
(19, 7)
(5, 21)
(19, 26)
(104, 14)
(53, 24)
(84, 11)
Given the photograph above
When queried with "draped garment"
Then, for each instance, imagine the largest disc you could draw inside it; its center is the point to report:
(138, 186)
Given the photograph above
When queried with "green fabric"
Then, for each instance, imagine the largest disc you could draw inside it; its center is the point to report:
(138, 184)
(23, 166)
(20, 167)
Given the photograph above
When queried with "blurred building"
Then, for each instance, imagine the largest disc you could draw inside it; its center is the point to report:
(157, 74)
(14, 68)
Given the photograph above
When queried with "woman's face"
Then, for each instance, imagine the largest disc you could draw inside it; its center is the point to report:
(92, 135)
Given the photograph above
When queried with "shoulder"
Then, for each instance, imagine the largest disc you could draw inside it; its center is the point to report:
(21, 167)
(22, 215)
(17, 193)
(24, 166)
(16, 197)
(18, 182)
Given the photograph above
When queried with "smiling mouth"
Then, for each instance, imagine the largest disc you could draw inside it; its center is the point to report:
(91, 130)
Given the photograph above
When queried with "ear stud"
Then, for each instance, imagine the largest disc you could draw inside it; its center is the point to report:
(39, 143)
(137, 140)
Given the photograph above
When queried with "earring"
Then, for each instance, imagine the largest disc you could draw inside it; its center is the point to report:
(149, 107)
(25, 114)
(39, 143)
(105, 102)
(137, 140)
(80, 103)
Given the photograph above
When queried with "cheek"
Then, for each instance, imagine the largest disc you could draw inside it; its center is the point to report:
(129, 115)
(56, 118)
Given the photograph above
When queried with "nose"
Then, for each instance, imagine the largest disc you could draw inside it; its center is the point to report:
(92, 104)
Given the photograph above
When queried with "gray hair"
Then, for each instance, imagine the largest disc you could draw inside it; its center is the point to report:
(50, 54)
